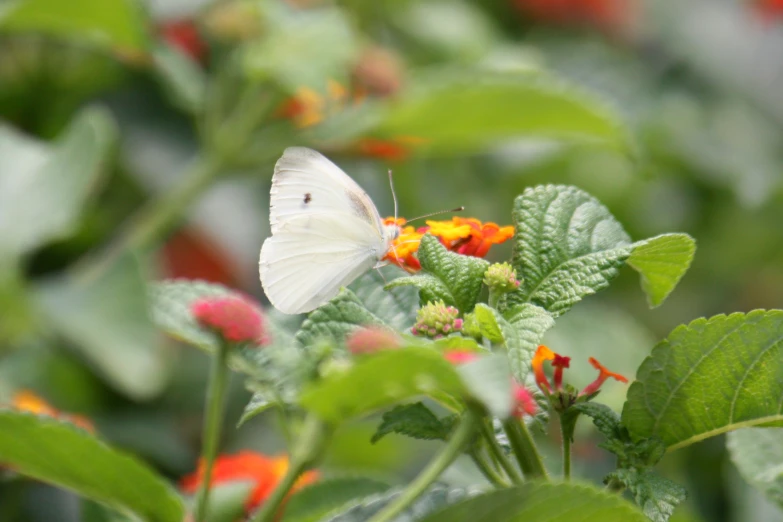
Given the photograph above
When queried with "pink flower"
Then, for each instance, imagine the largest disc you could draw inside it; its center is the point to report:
(236, 318)
(457, 357)
(524, 403)
(371, 339)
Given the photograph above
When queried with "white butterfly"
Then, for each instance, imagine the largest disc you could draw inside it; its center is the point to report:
(326, 232)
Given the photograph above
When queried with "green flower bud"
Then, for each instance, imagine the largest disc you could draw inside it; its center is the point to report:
(436, 320)
(501, 278)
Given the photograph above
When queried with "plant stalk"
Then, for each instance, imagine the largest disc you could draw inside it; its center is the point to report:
(525, 450)
(566, 451)
(309, 447)
(488, 471)
(499, 455)
(157, 217)
(215, 402)
(461, 437)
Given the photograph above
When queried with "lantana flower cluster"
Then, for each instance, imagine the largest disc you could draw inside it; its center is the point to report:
(562, 397)
(466, 236)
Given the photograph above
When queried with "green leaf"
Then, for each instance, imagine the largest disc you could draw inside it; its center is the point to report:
(396, 307)
(661, 262)
(302, 47)
(567, 246)
(382, 379)
(336, 319)
(227, 501)
(431, 289)
(605, 419)
(657, 496)
(109, 24)
(435, 498)
(520, 330)
(709, 377)
(44, 188)
(414, 420)
(758, 455)
(488, 379)
(542, 502)
(454, 278)
(182, 77)
(107, 320)
(460, 113)
(313, 502)
(64, 455)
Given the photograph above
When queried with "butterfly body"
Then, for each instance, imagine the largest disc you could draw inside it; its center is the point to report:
(326, 232)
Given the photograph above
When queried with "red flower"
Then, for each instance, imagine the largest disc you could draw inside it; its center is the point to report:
(235, 318)
(264, 472)
(524, 403)
(371, 339)
(184, 35)
(457, 357)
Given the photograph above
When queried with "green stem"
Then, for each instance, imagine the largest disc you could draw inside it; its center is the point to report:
(216, 392)
(309, 447)
(566, 450)
(493, 298)
(499, 455)
(461, 437)
(488, 471)
(525, 450)
(155, 219)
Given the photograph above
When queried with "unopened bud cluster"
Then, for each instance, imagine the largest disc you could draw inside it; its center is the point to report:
(501, 278)
(436, 320)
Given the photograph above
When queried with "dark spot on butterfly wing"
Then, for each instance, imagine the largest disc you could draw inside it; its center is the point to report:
(308, 197)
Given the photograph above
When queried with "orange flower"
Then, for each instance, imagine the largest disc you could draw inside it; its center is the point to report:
(25, 400)
(265, 473)
(404, 247)
(542, 354)
(466, 236)
(308, 107)
(602, 376)
(560, 362)
(479, 237)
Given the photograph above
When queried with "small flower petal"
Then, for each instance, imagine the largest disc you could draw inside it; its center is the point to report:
(524, 402)
(602, 376)
(542, 354)
(234, 317)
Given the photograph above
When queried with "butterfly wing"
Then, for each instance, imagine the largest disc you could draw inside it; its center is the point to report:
(310, 257)
(307, 183)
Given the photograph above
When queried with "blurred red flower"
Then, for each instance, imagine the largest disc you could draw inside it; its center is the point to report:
(235, 317)
(247, 466)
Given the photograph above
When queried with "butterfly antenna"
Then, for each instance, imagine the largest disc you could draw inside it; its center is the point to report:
(458, 209)
(394, 196)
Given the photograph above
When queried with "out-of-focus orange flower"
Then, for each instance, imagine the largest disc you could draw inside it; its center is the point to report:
(247, 466)
(25, 400)
(309, 107)
(466, 236)
(184, 35)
